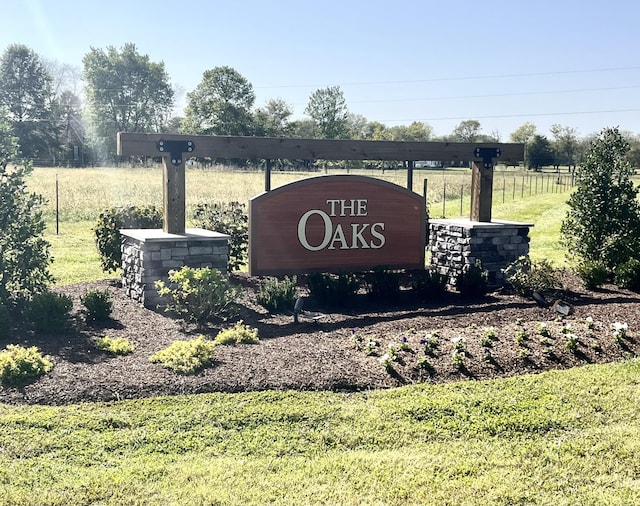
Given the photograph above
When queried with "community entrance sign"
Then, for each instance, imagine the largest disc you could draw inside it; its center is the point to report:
(336, 223)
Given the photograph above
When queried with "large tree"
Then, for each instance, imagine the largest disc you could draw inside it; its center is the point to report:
(524, 134)
(603, 221)
(467, 131)
(26, 94)
(126, 92)
(566, 144)
(539, 153)
(272, 120)
(221, 104)
(327, 108)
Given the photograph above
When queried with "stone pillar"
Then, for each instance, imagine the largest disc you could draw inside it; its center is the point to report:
(149, 254)
(459, 242)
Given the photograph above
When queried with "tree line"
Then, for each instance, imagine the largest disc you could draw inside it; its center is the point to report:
(58, 122)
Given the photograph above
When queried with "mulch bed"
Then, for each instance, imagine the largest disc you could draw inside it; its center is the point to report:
(342, 351)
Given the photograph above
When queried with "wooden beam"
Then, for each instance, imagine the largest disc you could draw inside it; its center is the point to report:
(256, 148)
(481, 192)
(173, 199)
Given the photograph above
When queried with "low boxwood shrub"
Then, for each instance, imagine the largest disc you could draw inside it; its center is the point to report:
(186, 357)
(627, 275)
(474, 280)
(592, 273)
(107, 231)
(428, 283)
(115, 345)
(333, 289)
(238, 334)
(383, 283)
(49, 312)
(278, 295)
(199, 295)
(18, 363)
(527, 276)
(98, 305)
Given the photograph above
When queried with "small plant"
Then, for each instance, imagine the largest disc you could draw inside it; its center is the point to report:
(543, 329)
(186, 357)
(333, 289)
(238, 334)
(383, 283)
(115, 345)
(487, 355)
(458, 344)
(430, 343)
(490, 335)
(357, 339)
(522, 337)
(473, 281)
(199, 295)
(49, 312)
(18, 363)
(404, 344)
(567, 328)
(97, 305)
(428, 283)
(387, 362)
(371, 347)
(593, 273)
(627, 275)
(527, 276)
(572, 343)
(619, 331)
(457, 358)
(589, 323)
(524, 353)
(423, 363)
(278, 296)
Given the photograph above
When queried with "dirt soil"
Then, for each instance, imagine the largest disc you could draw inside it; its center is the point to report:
(344, 350)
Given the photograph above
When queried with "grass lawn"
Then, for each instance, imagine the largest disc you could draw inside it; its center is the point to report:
(561, 438)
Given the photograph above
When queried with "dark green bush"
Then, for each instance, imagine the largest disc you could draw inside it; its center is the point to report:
(49, 312)
(627, 275)
(199, 295)
(527, 277)
(428, 283)
(593, 273)
(278, 296)
(97, 305)
(108, 238)
(383, 283)
(333, 289)
(227, 218)
(473, 282)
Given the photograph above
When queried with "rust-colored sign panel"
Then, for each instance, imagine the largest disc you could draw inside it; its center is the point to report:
(336, 224)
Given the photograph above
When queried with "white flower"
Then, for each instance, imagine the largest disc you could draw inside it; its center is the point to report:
(458, 339)
(384, 358)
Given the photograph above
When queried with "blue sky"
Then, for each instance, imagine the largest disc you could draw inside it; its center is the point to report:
(576, 63)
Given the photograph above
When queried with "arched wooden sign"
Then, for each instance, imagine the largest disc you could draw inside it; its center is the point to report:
(336, 224)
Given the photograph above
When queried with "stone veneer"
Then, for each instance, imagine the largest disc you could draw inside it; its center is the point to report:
(459, 242)
(149, 254)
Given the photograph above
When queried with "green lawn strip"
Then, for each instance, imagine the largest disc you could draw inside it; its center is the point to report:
(562, 437)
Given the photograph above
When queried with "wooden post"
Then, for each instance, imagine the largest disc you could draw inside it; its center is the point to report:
(267, 175)
(410, 165)
(173, 196)
(481, 192)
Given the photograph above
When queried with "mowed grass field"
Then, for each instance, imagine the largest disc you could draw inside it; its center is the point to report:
(81, 194)
(558, 438)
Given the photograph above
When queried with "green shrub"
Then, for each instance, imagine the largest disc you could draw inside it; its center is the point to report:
(227, 218)
(333, 289)
(278, 296)
(199, 294)
(238, 334)
(527, 277)
(383, 283)
(18, 363)
(107, 231)
(627, 275)
(428, 283)
(115, 345)
(593, 273)
(49, 312)
(473, 282)
(5, 321)
(186, 357)
(97, 305)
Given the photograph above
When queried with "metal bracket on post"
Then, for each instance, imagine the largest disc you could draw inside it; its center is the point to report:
(487, 155)
(175, 149)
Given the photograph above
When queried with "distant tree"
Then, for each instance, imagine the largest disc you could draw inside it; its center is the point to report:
(415, 132)
(221, 104)
(304, 129)
(539, 153)
(565, 144)
(376, 131)
(357, 126)
(26, 94)
(467, 131)
(126, 92)
(327, 108)
(70, 128)
(272, 120)
(524, 134)
(634, 149)
(603, 221)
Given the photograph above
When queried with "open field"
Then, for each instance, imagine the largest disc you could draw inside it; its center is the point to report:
(84, 193)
